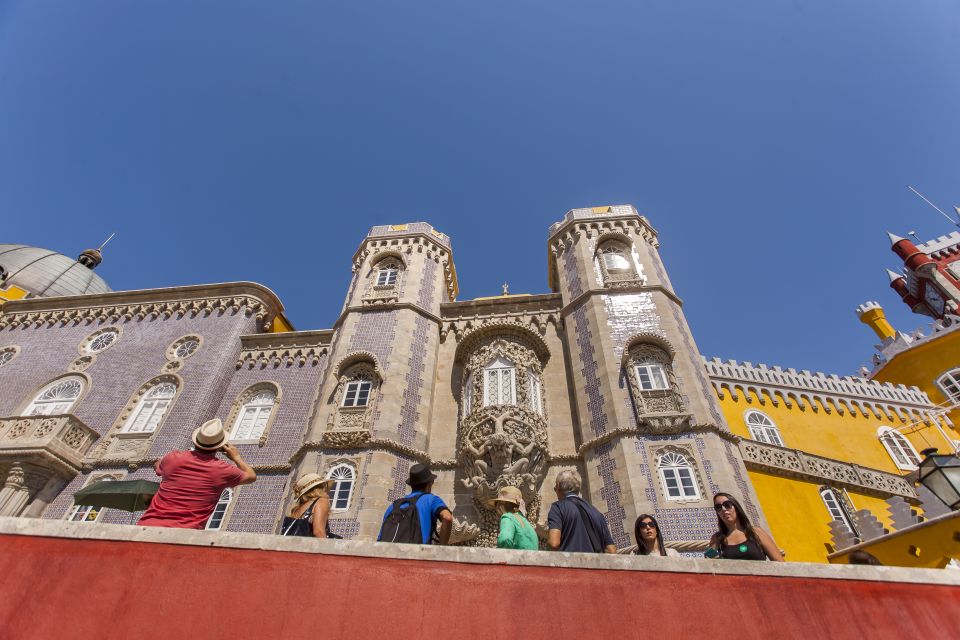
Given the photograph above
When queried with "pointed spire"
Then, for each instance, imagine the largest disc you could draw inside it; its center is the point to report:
(894, 276)
(894, 238)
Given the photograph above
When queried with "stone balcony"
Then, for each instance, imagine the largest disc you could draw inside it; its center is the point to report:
(57, 442)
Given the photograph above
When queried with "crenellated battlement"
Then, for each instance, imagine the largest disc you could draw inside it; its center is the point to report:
(942, 246)
(817, 390)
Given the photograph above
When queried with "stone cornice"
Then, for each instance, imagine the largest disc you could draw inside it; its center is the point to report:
(501, 305)
(387, 306)
(816, 390)
(793, 463)
(139, 304)
(634, 288)
(283, 349)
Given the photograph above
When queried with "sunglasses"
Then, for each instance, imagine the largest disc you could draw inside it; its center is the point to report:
(647, 525)
(726, 504)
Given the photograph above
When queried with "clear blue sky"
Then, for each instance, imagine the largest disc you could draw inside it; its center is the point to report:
(769, 142)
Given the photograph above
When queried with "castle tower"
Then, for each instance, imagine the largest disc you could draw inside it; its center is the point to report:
(651, 435)
(370, 421)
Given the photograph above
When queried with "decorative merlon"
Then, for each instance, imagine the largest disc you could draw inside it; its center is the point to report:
(869, 305)
(805, 466)
(820, 391)
(296, 348)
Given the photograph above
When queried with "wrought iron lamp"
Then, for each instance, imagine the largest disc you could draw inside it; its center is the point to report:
(941, 475)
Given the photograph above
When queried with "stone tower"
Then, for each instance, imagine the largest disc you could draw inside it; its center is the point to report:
(648, 428)
(372, 411)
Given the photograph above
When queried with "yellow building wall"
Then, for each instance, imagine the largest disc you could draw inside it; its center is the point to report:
(12, 293)
(798, 519)
(848, 437)
(921, 365)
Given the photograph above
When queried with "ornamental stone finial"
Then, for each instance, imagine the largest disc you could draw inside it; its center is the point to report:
(506, 289)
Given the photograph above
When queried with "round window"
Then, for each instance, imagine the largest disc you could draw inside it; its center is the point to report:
(100, 341)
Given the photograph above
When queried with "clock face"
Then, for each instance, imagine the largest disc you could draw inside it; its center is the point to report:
(933, 299)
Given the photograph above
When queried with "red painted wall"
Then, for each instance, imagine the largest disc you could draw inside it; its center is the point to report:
(65, 588)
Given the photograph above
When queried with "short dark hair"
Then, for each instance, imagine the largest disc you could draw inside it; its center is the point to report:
(863, 557)
(423, 486)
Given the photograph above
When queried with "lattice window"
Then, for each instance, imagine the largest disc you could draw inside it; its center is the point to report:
(101, 341)
(763, 429)
(500, 382)
(536, 392)
(468, 395)
(651, 376)
(342, 489)
(838, 512)
(56, 398)
(83, 513)
(904, 455)
(215, 521)
(950, 384)
(7, 354)
(677, 476)
(151, 408)
(357, 392)
(254, 415)
(186, 348)
(387, 275)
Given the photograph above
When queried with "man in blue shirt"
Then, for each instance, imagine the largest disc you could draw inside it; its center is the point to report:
(574, 524)
(430, 508)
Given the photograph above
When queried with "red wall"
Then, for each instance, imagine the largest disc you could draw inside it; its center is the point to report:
(66, 588)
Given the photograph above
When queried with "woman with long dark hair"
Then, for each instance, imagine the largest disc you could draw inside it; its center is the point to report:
(649, 540)
(737, 539)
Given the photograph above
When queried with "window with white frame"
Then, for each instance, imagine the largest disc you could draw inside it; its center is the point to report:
(536, 392)
(186, 348)
(499, 382)
(56, 398)
(762, 428)
(357, 392)
(468, 395)
(387, 274)
(254, 415)
(832, 500)
(904, 455)
(950, 384)
(151, 408)
(85, 513)
(342, 489)
(677, 476)
(614, 257)
(215, 521)
(651, 376)
(101, 341)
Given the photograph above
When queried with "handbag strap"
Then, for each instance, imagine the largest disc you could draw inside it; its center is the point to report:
(591, 533)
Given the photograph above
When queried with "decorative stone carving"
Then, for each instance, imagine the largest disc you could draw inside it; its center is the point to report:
(18, 429)
(463, 532)
(82, 363)
(799, 464)
(75, 437)
(345, 439)
(868, 525)
(45, 428)
(660, 411)
(902, 514)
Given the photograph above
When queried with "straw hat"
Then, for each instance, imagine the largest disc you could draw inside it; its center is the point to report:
(510, 495)
(307, 482)
(209, 436)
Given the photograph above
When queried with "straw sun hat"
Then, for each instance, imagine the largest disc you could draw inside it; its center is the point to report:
(209, 436)
(509, 495)
(308, 482)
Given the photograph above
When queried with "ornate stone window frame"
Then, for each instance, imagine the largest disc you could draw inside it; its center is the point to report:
(122, 444)
(898, 445)
(658, 408)
(146, 396)
(85, 383)
(355, 366)
(86, 347)
(525, 361)
(73, 510)
(768, 433)
(243, 398)
(8, 353)
(687, 451)
(171, 353)
(386, 291)
(340, 479)
(356, 464)
(617, 243)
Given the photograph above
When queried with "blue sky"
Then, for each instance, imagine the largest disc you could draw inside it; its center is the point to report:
(769, 143)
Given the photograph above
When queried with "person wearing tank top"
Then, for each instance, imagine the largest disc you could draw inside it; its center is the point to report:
(737, 538)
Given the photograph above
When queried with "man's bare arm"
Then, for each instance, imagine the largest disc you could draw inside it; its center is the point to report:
(249, 475)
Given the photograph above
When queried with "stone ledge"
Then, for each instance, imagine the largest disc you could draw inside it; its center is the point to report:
(468, 555)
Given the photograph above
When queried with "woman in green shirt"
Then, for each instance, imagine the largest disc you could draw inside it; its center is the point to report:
(516, 532)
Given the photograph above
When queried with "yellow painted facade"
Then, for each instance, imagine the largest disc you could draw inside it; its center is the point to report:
(12, 293)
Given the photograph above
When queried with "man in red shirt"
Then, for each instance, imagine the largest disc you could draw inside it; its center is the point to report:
(192, 481)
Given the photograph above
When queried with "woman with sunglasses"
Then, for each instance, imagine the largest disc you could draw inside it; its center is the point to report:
(649, 540)
(737, 539)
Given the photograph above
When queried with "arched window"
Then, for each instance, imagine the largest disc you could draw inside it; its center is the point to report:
(834, 504)
(57, 397)
(651, 376)
(500, 382)
(84, 513)
(536, 392)
(342, 489)
(254, 415)
(614, 258)
(468, 395)
(616, 263)
(215, 521)
(357, 392)
(762, 428)
(904, 455)
(387, 273)
(7, 354)
(677, 476)
(950, 384)
(151, 408)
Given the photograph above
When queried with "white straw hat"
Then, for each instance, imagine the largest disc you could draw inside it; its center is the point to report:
(209, 436)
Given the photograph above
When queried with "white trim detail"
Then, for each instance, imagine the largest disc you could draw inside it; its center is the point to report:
(217, 518)
(499, 382)
(57, 397)
(151, 408)
(342, 490)
(677, 476)
(254, 416)
(762, 427)
(901, 451)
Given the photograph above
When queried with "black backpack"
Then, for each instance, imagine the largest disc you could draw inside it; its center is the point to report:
(403, 525)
